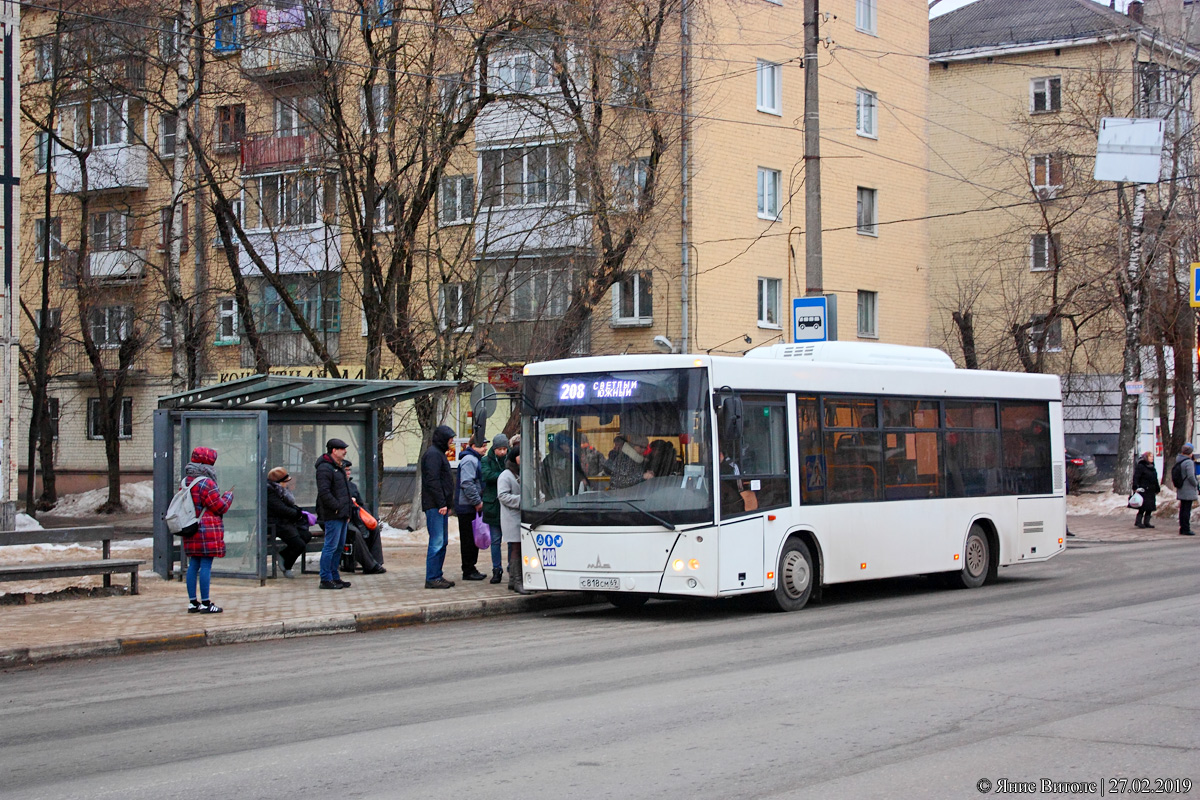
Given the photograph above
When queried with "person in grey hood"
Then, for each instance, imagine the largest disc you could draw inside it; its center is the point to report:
(468, 504)
(437, 500)
(1186, 488)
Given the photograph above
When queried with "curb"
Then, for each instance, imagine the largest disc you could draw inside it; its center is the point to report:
(294, 628)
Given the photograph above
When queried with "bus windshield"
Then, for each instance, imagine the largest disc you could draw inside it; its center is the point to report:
(618, 448)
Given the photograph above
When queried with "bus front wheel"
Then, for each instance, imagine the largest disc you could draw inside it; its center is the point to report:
(793, 584)
(977, 556)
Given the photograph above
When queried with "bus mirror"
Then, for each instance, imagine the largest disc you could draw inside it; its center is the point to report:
(731, 418)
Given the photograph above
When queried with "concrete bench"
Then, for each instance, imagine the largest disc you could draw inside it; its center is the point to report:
(45, 570)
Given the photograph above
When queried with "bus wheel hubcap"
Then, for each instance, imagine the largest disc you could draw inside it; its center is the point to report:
(976, 556)
(795, 575)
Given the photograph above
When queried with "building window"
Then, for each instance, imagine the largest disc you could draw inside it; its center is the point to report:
(628, 81)
(54, 409)
(51, 322)
(768, 193)
(227, 29)
(527, 175)
(865, 123)
(112, 122)
(1046, 173)
(629, 181)
(316, 297)
(109, 325)
(231, 125)
(524, 70)
(45, 57)
(537, 290)
(455, 95)
(227, 321)
(633, 300)
(456, 305)
(39, 234)
(457, 8)
(378, 13)
(377, 108)
(1043, 249)
(1051, 332)
(768, 302)
(770, 89)
(166, 325)
(457, 199)
(43, 151)
(864, 15)
(868, 212)
(167, 132)
(96, 419)
(1045, 94)
(168, 38)
(868, 314)
(292, 199)
(302, 115)
(109, 230)
(164, 240)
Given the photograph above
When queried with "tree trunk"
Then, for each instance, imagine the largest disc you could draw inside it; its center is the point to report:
(1132, 370)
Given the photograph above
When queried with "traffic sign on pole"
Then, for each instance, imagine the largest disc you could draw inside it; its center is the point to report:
(810, 318)
(1195, 301)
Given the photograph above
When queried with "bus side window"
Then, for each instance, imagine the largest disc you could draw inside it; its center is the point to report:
(811, 455)
(755, 476)
(1025, 431)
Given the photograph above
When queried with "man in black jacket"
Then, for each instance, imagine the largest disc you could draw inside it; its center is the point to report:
(437, 497)
(334, 507)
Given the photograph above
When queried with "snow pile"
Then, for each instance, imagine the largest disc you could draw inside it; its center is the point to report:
(137, 497)
(28, 523)
(401, 536)
(1107, 504)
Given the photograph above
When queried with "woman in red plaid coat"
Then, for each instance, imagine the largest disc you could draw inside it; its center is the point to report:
(208, 542)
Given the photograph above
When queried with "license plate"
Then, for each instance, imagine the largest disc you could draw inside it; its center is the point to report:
(599, 583)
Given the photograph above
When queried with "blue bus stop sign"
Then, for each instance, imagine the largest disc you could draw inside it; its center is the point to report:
(1195, 285)
(810, 318)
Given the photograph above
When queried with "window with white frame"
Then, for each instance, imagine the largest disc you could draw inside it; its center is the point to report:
(455, 95)
(227, 321)
(526, 175)
(1043, 333)
(95, 428)
(166, 325)
(864, 15)
(768, 302)
(384, 210)
(110, 325)
(521, 70)
(1045, 94)
(111, 122)
(457, 199)
(43, 150)
(633, 299)
(52, 321)
(40, 227)
(168, 38)
(168, 126)
(628, 78)
(45, 58)
(868, 212)
(54, 416)
(1046, 172)
(456, 305)
(629, 181)
(291, 199)
(768, 193)
(109, 230)
(537, 290)
(868, 314)
(1043, 251)
(865, 114)
(377, 108)
(298, 115)
(769, 94)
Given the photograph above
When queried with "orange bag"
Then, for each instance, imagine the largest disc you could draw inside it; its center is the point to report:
(366, 517)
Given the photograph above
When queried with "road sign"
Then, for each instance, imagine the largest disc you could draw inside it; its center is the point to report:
(810, 317)
(1135, 387)
(1129, 150)
(1195, 284)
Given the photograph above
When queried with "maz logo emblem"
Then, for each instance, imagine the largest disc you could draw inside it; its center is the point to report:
(598, 565)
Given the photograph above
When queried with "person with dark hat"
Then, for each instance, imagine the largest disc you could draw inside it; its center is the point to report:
(290, 522)
(437, 500)
(200, 476)
(334, 507)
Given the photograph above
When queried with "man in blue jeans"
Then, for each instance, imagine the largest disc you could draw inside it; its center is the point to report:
(437, 498)
(334, 506)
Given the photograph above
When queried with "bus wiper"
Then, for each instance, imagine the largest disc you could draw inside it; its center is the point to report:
(655, 517)
(649, 514)
(546, 518)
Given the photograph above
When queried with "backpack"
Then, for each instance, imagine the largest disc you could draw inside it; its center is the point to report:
(181, 512)
(1177, 474)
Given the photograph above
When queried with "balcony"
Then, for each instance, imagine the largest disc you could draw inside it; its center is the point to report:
(269, 153)
(116, 265)
(532, 228)
(290, 250)
(71, 358)
(118, 167)
(286, 55)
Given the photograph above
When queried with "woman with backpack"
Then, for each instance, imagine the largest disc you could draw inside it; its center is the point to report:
(1145, 479)
(209, 541)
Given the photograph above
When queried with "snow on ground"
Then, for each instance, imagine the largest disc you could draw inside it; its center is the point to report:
(1107, 504)
(137, 497)
(401, 536)
(28, 523)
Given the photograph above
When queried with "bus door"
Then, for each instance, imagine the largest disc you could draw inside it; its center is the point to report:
(740, 554)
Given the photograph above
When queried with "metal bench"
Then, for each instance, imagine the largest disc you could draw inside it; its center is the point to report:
(106, 566)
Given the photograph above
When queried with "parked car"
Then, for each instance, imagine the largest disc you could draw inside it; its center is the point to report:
(1081, 469)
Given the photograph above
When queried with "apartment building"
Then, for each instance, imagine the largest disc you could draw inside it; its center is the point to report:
(1028, 251)
(453, 192)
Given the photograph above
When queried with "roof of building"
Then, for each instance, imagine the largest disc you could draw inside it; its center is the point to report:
(1004, 23)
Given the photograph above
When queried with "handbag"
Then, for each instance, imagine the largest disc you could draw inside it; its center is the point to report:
(1135, 499)
(482, 533)
(369, 521)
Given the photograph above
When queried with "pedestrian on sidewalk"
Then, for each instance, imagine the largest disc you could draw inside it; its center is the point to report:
(1145, 477)
(209, 541)
(490, 469)
(508, 491)
(468, 504)
(437, 497)
(289, 521)
(366, 545)
(334, 507)
(1185, 488)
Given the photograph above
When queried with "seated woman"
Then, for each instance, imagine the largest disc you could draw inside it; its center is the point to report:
(367, 546)
(290, 521)
(661, 461)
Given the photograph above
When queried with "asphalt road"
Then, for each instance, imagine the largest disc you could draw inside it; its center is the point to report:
(1081, 669)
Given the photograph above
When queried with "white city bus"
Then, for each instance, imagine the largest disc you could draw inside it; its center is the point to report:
(789, 469)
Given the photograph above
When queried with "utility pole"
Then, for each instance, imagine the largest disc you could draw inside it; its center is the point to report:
(813, 269)
(10, 200)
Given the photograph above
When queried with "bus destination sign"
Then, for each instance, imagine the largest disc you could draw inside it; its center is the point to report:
(582, 391)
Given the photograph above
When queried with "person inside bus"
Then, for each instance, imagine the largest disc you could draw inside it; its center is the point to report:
(562, 474)
(735, 496)
(626, 463)
(661, 460)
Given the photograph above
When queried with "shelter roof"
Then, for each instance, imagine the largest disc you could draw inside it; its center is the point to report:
(277, 392)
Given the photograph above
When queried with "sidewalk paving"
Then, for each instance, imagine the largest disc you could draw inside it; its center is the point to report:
(157, 618)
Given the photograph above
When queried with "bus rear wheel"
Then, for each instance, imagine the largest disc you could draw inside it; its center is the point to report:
(977, 557)
(625, 601)
(794, 579)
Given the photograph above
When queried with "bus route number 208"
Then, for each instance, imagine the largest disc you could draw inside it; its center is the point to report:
(549, 556)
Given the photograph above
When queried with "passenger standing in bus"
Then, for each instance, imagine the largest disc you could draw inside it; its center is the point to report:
(1145, 477)
(1186, 491)
(562, 473)
(508, 491)
(437, 495)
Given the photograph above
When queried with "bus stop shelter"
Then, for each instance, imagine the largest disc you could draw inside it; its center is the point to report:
(258, 423)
